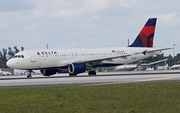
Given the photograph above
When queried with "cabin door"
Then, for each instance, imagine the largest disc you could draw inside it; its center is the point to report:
(33, 57)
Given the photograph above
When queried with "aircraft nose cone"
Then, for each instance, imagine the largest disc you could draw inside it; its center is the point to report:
(9, 63)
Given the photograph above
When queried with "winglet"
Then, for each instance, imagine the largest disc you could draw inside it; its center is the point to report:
(146, 35)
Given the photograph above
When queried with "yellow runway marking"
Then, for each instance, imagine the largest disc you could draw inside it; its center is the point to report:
(145, 80)
(155, 79)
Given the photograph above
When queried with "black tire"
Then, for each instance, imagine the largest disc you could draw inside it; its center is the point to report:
(72, 74)
(29, 76)
(92, 73)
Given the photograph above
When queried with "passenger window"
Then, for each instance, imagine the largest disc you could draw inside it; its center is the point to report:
(22, 56)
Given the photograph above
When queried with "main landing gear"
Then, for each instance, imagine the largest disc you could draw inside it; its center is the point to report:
(92, 73)
(29, 74)
(89, 73)
(72, 74)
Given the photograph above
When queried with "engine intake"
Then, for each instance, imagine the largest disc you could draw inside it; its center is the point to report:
(76, 68)
(48, 72)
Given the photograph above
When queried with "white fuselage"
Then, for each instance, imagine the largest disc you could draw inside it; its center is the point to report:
(57, 58)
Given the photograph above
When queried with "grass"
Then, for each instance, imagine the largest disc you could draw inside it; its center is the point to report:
(119, 98)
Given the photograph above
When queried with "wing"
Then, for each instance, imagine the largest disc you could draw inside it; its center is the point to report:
(93, 61)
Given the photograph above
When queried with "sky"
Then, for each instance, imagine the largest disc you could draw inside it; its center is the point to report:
(86, 23)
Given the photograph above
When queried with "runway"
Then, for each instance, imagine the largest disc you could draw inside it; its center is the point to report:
(84, 79)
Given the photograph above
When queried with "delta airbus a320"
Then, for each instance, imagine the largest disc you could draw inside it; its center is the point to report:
(76, 61)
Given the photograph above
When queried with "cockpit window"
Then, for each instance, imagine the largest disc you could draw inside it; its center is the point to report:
(18, 56)
(15, 56)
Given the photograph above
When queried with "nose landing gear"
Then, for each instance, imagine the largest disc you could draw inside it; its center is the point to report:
(29, 74)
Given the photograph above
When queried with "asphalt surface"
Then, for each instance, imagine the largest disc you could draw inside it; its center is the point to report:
(84, 79)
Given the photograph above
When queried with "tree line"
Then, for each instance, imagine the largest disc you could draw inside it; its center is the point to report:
(7, 54)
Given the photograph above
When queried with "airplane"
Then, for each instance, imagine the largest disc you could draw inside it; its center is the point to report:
(141, 65)
(25, 72)
(76, 61)
(175, 67)
(5, 73)
(163, 67)
(126, 67)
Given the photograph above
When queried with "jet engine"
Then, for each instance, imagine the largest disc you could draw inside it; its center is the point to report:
(48, 72)
(76, 68)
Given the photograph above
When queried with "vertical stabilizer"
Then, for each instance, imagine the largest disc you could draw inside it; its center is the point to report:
(146, 36)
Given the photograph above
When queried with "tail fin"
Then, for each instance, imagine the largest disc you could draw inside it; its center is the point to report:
(146, 36)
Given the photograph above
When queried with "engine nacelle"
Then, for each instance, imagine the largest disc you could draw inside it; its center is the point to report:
(76, 68)
(48, 72)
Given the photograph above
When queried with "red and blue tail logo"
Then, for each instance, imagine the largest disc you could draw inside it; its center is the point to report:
(146, 36)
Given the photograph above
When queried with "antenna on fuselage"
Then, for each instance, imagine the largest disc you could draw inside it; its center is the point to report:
(47, 45)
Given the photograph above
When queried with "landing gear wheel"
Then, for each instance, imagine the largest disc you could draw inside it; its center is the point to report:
(29, 74)
(92, 73)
